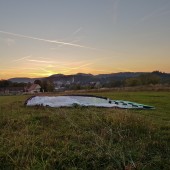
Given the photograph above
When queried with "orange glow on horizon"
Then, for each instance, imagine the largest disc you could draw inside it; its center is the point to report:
(46, 73)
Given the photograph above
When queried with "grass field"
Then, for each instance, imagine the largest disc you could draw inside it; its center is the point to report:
(86, 138)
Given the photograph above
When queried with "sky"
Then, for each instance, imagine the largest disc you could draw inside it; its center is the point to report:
(44, 37)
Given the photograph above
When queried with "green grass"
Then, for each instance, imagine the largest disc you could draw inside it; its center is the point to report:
(86, 138)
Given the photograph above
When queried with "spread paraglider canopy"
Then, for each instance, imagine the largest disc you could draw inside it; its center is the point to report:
(83, 100)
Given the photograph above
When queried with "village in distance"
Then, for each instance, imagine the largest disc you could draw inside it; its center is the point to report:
(81, 81)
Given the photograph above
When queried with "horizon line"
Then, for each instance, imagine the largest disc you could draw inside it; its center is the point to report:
(87, 74)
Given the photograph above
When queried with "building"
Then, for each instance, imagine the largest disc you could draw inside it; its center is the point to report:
(34, 88)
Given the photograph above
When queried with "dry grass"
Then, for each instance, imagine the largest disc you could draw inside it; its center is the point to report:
(80, 138)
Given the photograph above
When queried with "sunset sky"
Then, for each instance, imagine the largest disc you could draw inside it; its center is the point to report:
(43, 37)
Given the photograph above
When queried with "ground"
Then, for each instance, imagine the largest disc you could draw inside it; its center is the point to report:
(86, 138)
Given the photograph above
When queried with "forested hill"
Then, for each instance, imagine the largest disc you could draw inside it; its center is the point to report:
(85, 78)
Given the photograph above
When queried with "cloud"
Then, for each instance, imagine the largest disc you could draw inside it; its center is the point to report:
(40, 61)
(61, 68)
(84, 65)
(76, 31)
(157, 12)
(68, 37)
(74, 41)
(69, 69)
(46, 40)
(23, 58)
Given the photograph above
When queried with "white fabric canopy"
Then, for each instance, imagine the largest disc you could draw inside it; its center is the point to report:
(70, 101)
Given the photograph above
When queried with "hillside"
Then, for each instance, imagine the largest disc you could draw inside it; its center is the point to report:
(21, 80)
(86, 78)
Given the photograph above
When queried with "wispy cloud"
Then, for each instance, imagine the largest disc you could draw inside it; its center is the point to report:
(70, 69)
(23, 58)
(155, 13)
(72, 36)
(76, 31)
(81, 66)
(61, 45)
(40, 61)
(46, 40)
(30, 68)
(61, 68)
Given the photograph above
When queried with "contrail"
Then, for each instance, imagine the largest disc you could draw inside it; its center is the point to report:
(73, 34)
(77, 31)
(22, 58)
(45, 40)
(74, 68)
(62, 45)
(67, 69)
(158, 12)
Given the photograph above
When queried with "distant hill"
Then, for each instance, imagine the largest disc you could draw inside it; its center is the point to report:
(165, 77)
(85, 78)
(23, 79)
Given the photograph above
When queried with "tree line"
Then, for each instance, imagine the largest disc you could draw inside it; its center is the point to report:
(46, 85)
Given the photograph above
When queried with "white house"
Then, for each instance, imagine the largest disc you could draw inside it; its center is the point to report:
(34, 88)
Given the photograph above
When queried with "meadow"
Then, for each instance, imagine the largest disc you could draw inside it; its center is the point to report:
(86, 137)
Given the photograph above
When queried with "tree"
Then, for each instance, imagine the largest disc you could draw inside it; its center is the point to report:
(132, 82)
(50, 86)
(5, 83)
(47, 86)
(38, 82)
(149, 78)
